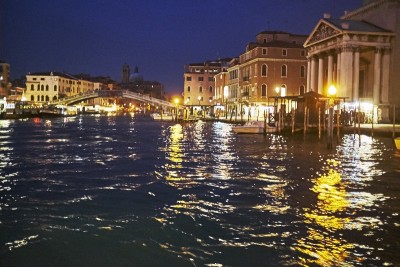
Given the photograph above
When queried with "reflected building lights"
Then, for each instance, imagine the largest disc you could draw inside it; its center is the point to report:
(321, 246)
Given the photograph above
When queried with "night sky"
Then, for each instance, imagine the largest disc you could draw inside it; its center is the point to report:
(159, 36)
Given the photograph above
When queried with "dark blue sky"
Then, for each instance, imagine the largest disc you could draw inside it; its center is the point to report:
(159, 36)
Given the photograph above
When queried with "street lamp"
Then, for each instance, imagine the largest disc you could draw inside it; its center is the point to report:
(226, 91)
(277, 89)
(176, 108)
(331, 94)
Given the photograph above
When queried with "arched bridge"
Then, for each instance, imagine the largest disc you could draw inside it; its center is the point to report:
(111, 93)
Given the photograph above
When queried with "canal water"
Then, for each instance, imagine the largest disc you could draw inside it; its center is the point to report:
(126, 191)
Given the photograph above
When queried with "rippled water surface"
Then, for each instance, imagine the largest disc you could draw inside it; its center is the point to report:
(122, 191)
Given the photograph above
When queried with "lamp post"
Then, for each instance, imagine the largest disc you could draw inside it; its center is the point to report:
(226, 88)
(277, 89)
(176, 108)
(331, 94)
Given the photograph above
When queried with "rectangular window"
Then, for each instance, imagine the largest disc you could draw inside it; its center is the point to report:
(264, 51)
(302, 53)
(284, 52)
(210, 79)
(201, 78)
(188, 78)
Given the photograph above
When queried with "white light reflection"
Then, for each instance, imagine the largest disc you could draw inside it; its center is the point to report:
(221, 150)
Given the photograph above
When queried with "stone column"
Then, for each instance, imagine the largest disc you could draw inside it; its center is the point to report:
(313, 79)
(321, 74)
(346, 72)
(385, 85)
(339, 55)
(330, 70)
(385, 75)
(377, 75)
(308, 73)
(356, 74)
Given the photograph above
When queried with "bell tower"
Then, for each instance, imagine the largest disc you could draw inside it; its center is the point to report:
(126, 73)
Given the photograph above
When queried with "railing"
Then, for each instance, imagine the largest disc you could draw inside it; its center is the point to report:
(111, 93)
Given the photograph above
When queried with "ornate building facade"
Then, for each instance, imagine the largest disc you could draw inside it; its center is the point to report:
(44, 87)
(358, 53)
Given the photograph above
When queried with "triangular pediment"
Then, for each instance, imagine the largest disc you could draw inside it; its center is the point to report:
(322, 31)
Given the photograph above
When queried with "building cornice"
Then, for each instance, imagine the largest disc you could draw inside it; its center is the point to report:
(366, 8)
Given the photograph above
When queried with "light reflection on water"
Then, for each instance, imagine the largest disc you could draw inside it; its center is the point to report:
(193, 194)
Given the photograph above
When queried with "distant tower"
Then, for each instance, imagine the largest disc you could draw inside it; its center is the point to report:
(136, 76)
(126, 73)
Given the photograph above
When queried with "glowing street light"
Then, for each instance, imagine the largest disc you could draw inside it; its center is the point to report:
(277, 89)
(332, 90)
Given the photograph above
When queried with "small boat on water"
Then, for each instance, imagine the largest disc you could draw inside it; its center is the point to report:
(397, 142)
(162, 117)
(253, 127)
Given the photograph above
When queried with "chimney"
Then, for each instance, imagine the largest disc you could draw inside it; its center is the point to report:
(327, 16)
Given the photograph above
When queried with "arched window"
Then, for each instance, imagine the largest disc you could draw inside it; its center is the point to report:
(210, 89)
(54, 98)
(201, 89)
(38, 87)
(32, 98)
(42, 98)
(32, 87)
(188, 89)
(47, 98)
(302, 71)
(55, 87)
(38, 98)
(264, 90)
(42, 87)
(47, 87)
(264, 70)
(302, 90)
(284, 71)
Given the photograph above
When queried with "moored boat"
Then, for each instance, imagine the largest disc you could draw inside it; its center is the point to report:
(162, 117)
(253, 127)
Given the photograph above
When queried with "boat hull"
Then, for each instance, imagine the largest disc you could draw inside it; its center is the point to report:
(254, 127)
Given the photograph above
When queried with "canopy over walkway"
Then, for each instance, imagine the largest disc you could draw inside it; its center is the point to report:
(109, 94)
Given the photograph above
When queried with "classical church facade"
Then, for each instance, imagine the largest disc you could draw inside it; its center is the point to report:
(359, 55)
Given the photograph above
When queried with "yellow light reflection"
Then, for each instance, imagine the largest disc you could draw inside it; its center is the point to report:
(322, 247)
(174, 155)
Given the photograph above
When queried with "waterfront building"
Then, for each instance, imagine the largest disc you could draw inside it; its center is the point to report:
(199, 84)
(274, 65)
(44, 87)
(4, 78)
(358, 53)
(227, 92)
